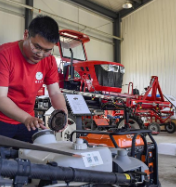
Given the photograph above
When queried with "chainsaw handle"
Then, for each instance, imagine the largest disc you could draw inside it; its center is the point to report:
(145, 146)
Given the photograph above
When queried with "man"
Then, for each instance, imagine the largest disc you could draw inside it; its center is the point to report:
(24, 67)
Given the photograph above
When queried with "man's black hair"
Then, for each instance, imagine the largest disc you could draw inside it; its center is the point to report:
(46, 27)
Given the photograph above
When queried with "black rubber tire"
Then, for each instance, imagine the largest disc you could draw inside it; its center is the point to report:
(154, 127)
(135, 91)
(170, 127)
(132, 120)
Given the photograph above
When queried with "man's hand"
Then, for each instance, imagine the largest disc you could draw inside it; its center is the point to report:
(33, 123)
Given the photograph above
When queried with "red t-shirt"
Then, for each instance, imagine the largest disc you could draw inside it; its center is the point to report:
(24, 79)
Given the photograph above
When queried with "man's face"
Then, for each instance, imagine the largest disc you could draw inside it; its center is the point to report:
(36, 48)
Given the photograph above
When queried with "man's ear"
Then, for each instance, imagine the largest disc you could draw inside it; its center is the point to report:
(25, 35)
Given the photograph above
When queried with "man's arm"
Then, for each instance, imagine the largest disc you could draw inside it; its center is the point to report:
(57, 98)
(10, 109)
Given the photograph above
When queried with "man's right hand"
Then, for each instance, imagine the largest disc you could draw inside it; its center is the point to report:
(33, 123)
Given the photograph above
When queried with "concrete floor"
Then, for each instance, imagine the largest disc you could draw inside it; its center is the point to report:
(167, 163)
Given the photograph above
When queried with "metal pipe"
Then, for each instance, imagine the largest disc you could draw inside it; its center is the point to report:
(11, 12)
(116, 31)
(93, 37)
(54, 15)
(28, 13)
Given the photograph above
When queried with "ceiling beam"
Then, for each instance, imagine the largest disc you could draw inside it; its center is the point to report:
(117, 47)
(95, 7)
(125, 12)
(138, 1)
(28, 13)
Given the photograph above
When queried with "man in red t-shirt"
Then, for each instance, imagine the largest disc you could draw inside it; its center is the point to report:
(25, 66)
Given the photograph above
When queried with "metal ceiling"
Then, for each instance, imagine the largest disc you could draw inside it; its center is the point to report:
(113, 5)
(110, 8)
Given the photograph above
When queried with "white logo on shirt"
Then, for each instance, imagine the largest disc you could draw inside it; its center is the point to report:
(39, 75)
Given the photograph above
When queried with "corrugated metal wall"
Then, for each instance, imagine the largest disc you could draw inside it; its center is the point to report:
(11, 22)
(149, 45)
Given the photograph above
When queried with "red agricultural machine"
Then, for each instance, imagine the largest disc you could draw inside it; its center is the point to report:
(82, 75)
(100, 82)
(152, 108)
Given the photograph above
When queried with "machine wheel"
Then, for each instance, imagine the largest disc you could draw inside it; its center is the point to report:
(135, 91)
(154, 127)
(134, 122)
(170, 127)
